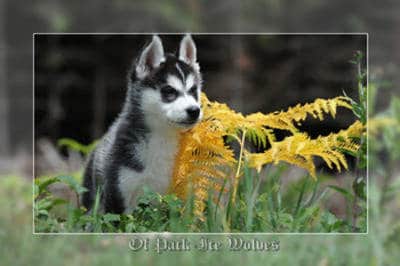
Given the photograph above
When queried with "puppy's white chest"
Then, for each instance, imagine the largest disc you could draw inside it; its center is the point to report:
(157, 155)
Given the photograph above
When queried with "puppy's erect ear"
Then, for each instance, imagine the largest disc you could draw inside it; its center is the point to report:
(188, 51)
(151, 57)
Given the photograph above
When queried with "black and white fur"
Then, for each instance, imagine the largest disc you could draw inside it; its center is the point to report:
(163, 98)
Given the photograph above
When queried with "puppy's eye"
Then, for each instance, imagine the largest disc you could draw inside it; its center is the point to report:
(193, 91)
(169, 94)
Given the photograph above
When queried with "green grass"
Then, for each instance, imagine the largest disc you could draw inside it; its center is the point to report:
(261, 205)
(20, 247)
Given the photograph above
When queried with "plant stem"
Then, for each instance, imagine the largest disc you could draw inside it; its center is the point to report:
(237, 175)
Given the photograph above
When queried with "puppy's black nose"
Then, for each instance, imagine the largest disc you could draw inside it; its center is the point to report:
(193, 112)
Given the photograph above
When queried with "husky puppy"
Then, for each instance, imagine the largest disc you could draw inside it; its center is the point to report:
(163, 99)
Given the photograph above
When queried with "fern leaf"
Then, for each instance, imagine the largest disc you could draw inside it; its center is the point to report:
(204, 161)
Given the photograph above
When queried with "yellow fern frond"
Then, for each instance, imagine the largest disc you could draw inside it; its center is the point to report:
(204, 161)
(300, 149)
(287, 120)
(201, 154)
(256, 125)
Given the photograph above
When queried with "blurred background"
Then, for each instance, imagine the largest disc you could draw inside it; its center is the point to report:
(20, 19)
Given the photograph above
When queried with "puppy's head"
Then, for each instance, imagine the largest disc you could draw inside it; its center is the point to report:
(170, 85)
